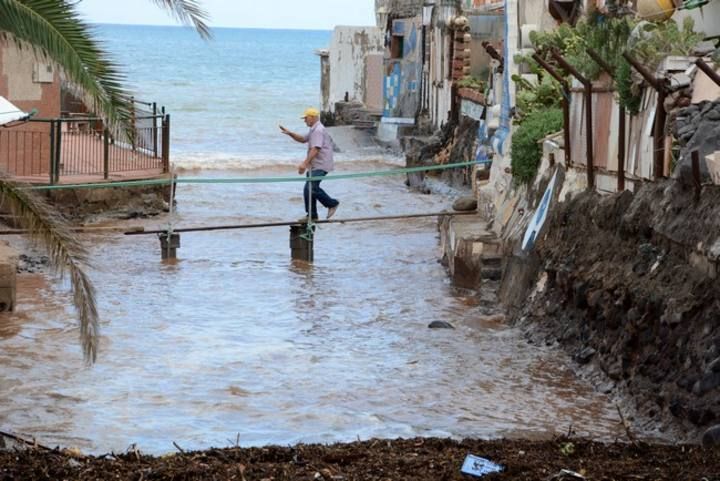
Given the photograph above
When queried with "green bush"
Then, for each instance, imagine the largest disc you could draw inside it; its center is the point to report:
(628, 97)
(526, 152)
(472, 83)
(548, 93)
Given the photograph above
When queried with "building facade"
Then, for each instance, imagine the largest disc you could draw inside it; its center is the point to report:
(351, 68)
(29, 81)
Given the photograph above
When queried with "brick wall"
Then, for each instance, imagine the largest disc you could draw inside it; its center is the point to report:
(21, 86)
(25, 149)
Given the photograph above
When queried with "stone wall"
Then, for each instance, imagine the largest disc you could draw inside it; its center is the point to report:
(113, 202)
(629, 283)
(697, 127)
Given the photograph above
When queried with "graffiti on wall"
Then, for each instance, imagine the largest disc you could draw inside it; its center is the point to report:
(391, 90)
(402, 71)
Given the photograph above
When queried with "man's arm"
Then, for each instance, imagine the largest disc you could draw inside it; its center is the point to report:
(312, 153)
(293, 135)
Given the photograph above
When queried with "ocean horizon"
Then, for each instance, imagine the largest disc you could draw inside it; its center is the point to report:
(212, 28)
(226, 96)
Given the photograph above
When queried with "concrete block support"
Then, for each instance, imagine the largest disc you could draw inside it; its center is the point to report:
(472, 255)
(301, 243)
(169, 244)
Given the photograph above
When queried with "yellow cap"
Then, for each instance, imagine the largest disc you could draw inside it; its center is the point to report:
(311, 112)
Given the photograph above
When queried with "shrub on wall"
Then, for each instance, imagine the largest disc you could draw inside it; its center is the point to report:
(526, 152)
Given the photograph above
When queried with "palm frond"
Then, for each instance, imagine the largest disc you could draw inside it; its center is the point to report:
(188, 12)
(67, 255)
(54, 28)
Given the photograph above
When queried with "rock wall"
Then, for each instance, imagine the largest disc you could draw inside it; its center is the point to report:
(630, 283)
(697, 127)
(113, 202)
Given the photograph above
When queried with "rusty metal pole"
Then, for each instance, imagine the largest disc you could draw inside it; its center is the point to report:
(166, 144)
(53, 146)
(660, 115)
(494, 54)
(588, 115)
(106, 153)
(621, 127)
(58, 150)
(621, 150)
(565, 105)
(708, 70)
(155, 130)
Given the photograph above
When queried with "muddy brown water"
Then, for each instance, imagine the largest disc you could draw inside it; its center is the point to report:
(234, 342)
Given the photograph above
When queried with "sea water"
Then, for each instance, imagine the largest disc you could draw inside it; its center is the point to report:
(234, 342)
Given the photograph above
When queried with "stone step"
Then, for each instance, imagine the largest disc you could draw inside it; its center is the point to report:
(492, 261)
(491, 273)
(364, 124)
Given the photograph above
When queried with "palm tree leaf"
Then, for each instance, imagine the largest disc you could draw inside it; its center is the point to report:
(188, 12)
(54, 28)
(67, 255)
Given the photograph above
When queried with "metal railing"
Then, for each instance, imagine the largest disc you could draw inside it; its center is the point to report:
(25, 153)
(80, 145)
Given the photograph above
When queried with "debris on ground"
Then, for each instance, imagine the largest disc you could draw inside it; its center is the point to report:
(377, 460)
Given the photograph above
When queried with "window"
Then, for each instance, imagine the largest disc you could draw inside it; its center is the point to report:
(397, 47)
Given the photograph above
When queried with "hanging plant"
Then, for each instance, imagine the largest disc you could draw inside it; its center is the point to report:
(627, 90)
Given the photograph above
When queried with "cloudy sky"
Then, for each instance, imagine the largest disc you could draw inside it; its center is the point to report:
(295, 14)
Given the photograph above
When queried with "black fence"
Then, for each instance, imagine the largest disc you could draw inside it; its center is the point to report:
(81, 145)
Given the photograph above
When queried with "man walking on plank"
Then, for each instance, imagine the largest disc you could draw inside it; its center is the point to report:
(317, 163)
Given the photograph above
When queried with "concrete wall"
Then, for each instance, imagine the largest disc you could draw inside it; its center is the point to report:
(348, 73)
(25, 81)
(484, 28)
(373, 88)
(324, 79)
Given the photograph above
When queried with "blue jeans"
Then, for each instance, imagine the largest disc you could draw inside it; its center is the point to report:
(318, 195)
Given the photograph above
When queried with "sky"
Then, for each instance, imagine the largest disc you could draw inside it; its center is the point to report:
(290, 14)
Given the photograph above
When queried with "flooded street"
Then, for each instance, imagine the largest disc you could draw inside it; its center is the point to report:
(235, 342)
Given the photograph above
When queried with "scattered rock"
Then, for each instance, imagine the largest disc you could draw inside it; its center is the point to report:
(606, 388)
(440, 325)
(465, 204)
(711, 437)
(32, 264)
(708, 383)
(714, 366)
(585, 355)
